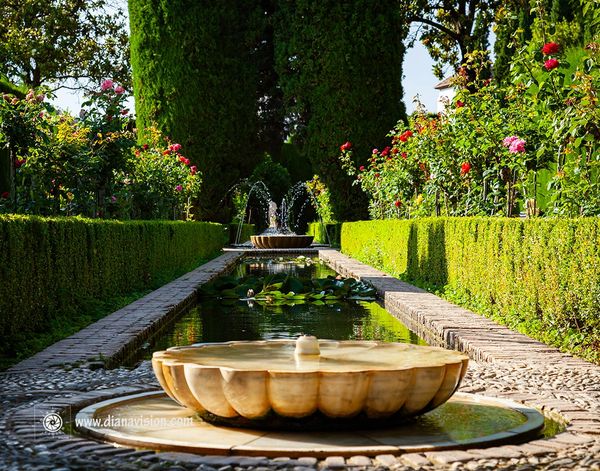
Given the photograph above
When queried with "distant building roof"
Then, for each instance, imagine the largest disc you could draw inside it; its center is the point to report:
(446, 83)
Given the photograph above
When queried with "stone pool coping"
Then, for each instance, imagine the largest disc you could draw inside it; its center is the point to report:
(431, 317)
(114, 337)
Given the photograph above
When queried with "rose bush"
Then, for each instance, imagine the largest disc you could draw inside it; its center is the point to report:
(162, 182)
(529, 145)
(89, 165)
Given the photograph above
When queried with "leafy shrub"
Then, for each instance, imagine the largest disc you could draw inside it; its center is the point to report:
(541, 277)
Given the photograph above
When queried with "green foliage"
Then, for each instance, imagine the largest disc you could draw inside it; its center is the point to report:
(44, 42)
(340, 68)
(161, 182)
(321, 199)
(196, 78)
(325, 233)
(59, 267)
(284, 289)
(451, 29)
(274, 175)
(541, 277)
(61, 165)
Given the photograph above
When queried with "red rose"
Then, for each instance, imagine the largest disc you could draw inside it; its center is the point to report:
(5, 195)
(398, 203)
(346, 146)
(19, 162)
(377, 175)
(166, 152)
(550, 48)
(465, 168)
(404, 155)
(385, 151)
(362, 168)
(145, 147)
(184, 161)
(459, 104)
(551, 64)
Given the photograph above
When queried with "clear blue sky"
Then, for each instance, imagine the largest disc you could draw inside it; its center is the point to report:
(418, 80)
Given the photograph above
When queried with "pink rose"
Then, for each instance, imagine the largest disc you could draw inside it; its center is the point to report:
(507, 141)
(178, 188)
(119, 90)
(193, 170)
(108, 84)
(175, 147)
(516, 146)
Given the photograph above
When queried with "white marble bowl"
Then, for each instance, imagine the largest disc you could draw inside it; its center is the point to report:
(256, 381)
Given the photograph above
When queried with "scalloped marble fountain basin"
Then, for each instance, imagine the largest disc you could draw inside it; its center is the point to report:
(282, 241)
(265, 384)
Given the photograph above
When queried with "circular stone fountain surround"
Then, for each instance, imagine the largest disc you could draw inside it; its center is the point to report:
(177, 420)
(152, 420)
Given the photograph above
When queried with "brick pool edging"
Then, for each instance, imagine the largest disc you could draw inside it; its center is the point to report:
(444, 324)
(114, 337)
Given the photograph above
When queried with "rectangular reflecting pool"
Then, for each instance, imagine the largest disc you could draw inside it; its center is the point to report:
(219, 320)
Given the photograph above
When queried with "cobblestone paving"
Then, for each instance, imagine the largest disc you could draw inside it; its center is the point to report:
(555, 384)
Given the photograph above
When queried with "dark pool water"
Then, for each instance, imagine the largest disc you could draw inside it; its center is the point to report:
(213, 320)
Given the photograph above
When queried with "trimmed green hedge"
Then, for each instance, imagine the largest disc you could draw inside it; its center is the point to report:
(57, 267)
(539, 276)
(317, 229)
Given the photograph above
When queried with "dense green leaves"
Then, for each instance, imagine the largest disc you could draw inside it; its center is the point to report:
(47, 42)
(285, 289)
(340, 68)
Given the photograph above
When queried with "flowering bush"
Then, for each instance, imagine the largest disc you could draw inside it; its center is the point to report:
(322, 198)
(162, 181)
(88, 165)
(495, 148)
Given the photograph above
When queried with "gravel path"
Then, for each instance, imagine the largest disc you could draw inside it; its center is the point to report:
(546, 383)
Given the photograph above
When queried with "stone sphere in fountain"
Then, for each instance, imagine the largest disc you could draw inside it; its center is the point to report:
(309, 384)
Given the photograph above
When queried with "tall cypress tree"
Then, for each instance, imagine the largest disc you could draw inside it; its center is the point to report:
(196, 77)
(340, 69)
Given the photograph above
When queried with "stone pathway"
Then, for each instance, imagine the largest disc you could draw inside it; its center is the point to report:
(119, 334)
(562, 386)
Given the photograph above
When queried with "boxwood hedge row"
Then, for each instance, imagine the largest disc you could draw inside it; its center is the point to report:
(539, 276)
(51, 266)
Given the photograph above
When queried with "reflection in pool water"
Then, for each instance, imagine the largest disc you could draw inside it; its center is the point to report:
(215, 320)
